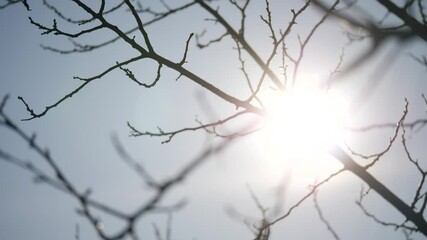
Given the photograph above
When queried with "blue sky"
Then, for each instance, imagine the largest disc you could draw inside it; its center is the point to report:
(78, 132)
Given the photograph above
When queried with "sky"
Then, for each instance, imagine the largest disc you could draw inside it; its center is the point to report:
(79, 132)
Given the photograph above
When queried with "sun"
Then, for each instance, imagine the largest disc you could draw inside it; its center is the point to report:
(301, 126)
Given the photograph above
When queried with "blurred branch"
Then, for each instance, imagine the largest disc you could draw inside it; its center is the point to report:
(137, 167)
(313, 189)
(62, 183)
(422, 60)
(419, 124)
(415, 26)
(322, 217)
(143, 44)
(11, 2)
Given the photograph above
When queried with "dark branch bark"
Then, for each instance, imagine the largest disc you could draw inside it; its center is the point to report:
(383, 191)
(416, 27)
(242, 41)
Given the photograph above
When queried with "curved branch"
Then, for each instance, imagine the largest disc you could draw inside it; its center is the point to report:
(72, 93)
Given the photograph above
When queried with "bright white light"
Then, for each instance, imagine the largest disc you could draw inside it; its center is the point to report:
(301, 127)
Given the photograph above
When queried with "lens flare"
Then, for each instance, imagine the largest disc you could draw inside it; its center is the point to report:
(301, 127)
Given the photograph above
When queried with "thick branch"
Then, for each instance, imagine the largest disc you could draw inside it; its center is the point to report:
(417, 28)
(382, 190)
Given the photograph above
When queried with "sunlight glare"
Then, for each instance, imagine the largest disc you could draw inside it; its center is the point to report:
(301, 127)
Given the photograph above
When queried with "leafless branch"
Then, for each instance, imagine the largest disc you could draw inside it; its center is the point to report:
(56, 31)
(132, 77)
(422, 60)
(82, 48)
(61, 182)
(72, 93)
(215, 40)
(184, 58)
(322, 217)
(140, 26)
(396, 226)
(360, 171)
(306, 196)
(171, 134)
(376, 157)
(11, 2)
(136, 166)
(243, 42)
(297, 61)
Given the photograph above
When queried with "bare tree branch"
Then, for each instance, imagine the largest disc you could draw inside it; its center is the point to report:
(322, 217)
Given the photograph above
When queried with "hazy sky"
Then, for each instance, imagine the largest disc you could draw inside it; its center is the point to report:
(78, 132)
